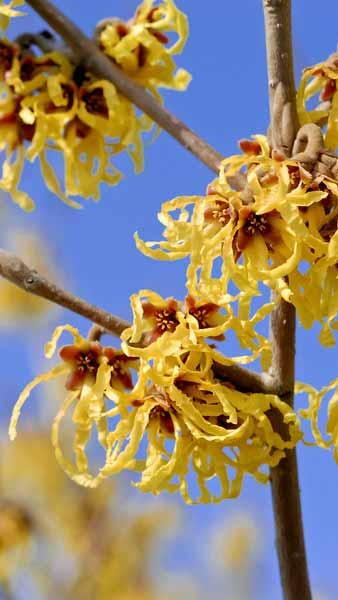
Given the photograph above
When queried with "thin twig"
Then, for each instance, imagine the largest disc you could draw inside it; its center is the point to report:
(284, 477)
(88, 54)
(15, 270)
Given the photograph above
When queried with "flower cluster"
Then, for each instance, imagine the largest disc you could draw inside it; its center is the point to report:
(46, 105)
(192, 420)
(49, 104)
(176, 412)
(161, 325)
(94, 373)
(264, 219)
(143, 46)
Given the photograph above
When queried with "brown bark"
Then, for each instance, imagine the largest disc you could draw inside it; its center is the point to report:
(284, 478)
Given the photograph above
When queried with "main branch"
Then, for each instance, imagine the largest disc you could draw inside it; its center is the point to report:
(284, 477)
(88, 54)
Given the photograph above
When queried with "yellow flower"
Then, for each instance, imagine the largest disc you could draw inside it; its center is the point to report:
(49, 105)
(265, 219)
(92, 371)
(189, 419)
(320, 82)
(164, 326)
(142, 48)
(7, 10)
(22, 78)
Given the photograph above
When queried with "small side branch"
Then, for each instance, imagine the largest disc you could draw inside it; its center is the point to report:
(87, 53)
(15, 270)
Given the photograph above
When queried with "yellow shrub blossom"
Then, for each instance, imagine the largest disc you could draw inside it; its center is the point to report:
(320, 82)
(189, 421)
(48, 104)
(193, 424)
(142, 48)
(161, 326)
(8, 10)
(265, 219)
(92, 370)
(177, 407)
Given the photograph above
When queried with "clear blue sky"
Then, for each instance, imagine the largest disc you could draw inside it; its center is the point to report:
(227, 100)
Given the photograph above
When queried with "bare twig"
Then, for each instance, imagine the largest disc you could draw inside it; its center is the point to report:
(87, 53)
(284, 477)
(15, 270)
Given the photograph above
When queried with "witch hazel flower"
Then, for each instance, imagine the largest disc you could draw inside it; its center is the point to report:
(266, 219)
(180, 423)
(162, 326)
(92, 372)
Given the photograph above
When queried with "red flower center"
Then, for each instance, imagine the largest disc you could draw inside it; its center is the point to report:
(87, 362)
(166, 422)
(166, 320)
(95, 103)
(221, 213)
(256, 224)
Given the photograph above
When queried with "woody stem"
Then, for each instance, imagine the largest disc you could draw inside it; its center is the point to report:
(284, 478)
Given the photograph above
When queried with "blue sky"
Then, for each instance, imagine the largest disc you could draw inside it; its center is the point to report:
(227, 100)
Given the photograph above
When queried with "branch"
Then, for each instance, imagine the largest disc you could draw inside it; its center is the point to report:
(15, 270)
(284, 477)
(87, 53)
(244, 379)
(282, 92)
